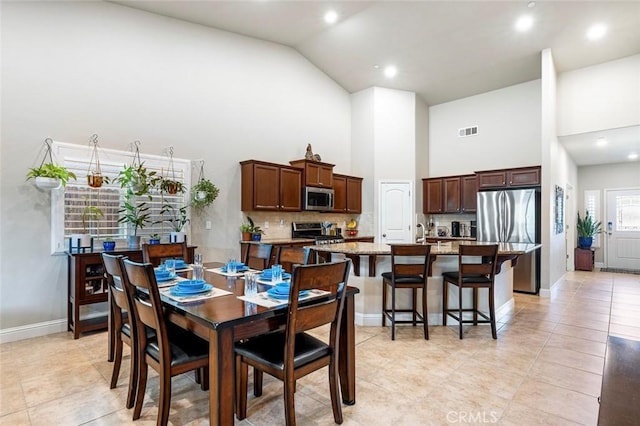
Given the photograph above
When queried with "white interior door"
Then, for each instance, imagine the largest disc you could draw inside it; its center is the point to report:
(622, 229)
(395, 212)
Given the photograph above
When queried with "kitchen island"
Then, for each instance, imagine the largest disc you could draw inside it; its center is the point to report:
(371, 259)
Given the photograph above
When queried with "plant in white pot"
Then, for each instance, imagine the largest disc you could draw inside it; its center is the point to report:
(89, 213)
(49, 175)
(177, 218)
(204, 192)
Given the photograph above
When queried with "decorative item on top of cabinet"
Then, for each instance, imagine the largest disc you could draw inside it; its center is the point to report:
(347, 194)
(509, 178)
(315, 173)
(269, 186)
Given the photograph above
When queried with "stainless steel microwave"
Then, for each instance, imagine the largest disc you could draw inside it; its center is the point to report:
(320, 199)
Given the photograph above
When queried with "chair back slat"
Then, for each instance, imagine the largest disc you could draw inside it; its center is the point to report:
(157, 253)
(289, 256)
(468, 259)
(113, 271)
(410, 259)
(258, 256)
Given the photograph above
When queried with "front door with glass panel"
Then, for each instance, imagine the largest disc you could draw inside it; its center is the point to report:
(622, 229)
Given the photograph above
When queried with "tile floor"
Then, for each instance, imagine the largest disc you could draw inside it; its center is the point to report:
(545, 368)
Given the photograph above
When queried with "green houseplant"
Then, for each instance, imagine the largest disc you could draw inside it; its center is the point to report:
(587, 229)
(203, 193)
(50, 176)
(154, 239)
(177, 218)
(137, 181)
(89, 213)
(256, 232)
(246, 229)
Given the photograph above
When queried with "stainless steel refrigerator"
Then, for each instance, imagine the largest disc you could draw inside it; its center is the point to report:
(513, 216)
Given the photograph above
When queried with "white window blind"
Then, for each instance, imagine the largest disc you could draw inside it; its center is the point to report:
(592, 205)
(68, 203)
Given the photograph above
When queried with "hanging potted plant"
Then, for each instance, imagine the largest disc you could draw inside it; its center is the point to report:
(169, 184)
(94, 173)
(204, 192)
(587, 229)
(49, 175)
(177, 219)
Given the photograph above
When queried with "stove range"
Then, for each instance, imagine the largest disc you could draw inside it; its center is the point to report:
(314, 230)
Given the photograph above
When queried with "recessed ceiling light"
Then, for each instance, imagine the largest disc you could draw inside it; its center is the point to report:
(376, 66)
(390, 71)
(524, 23)
(601, 142)
(632, 156)
(596, 32)
(331, 17)
(531, 4)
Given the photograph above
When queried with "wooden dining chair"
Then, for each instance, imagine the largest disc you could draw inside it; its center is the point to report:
(289, 256)
(157, 253)
(291, 354)
(120, 325)
(258, 256)
(172, 351)
(473, 275)
(409, 269)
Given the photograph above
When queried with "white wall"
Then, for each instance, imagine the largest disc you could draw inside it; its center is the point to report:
(71, 69)
(422, 151)
(508, 123)
(362, 152)
(604, 96)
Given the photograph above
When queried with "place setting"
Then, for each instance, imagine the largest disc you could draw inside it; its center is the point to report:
(189, 290)
(232, 268)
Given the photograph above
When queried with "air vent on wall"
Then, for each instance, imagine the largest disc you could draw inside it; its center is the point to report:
(467, 131)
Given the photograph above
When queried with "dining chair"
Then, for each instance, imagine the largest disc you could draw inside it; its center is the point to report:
(473, 275)
(172, 352)
(120, 325)
(156, 253)
(291, 354)
(258, 256)
(409, 269)
(289, 256)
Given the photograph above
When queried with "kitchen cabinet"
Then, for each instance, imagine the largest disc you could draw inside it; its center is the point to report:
(509, 178)
(452, 194)
(347, 194)
(468, 194)
(315, 173)
(583, 259)
(268, 186)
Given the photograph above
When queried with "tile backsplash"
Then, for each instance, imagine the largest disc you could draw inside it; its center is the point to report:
(277, 225)
(443, 221)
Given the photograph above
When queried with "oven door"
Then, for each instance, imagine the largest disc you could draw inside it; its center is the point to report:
(320, 199)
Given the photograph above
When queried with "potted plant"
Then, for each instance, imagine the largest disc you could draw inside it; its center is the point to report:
(587, 229)
(203, 193)
(89, 213)
(154, 239)
(256, 232)
(50, 176)
(137, 181)
(177, 219)
(171, 186)
(246, 229)
(108, 244)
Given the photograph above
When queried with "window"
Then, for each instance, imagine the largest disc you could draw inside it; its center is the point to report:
(627, 213)
(69, 203)
(592, 205)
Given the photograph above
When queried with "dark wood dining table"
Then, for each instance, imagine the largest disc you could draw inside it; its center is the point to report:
(224, 320)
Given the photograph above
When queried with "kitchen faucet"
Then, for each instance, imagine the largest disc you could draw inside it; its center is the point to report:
(422, 239)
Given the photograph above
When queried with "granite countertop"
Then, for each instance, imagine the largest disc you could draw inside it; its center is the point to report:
(310, 241)
(504, 249)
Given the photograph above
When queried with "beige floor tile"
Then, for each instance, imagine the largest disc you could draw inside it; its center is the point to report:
(520, 415)
(20, 418)
(577, 344)
(567, 377)
(581, 332)
(12, 399)
(573, 359)
(555, 400)
(627, 330)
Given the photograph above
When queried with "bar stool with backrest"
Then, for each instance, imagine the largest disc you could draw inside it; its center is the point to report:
(473, 275)
(409, 269)
(157, 253)
(289, 256)
(120, 325)
(292, 354)
(258, 256)
(172, 351)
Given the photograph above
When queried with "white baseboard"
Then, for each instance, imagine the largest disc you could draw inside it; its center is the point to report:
(32, 330)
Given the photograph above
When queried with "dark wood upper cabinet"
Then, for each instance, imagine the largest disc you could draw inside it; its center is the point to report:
(268, 186)
(468, 194)
(432, 201)
(451, 194)
(315, 173)
(347, 194)
(509, 178)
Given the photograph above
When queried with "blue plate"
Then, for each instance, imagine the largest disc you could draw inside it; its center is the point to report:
(267, 276)
(239, 268)
(191, 284)
(177, 291)
(182, 265)
(282, 296)
(164, 278)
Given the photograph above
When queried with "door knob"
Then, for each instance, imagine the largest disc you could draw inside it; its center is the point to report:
(384, 235)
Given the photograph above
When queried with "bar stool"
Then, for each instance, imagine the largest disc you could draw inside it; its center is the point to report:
(409, 269)
(474, 276)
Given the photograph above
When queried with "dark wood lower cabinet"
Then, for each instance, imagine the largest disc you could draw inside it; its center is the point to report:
(583, 259)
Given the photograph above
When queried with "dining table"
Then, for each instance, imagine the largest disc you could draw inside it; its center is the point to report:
(227, 319)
